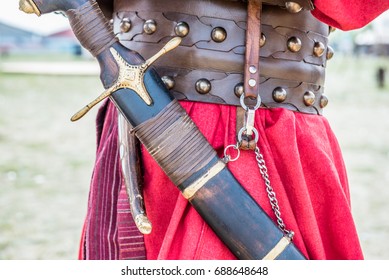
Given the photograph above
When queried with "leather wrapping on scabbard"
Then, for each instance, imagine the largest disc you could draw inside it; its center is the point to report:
(175, 142)
(91, 28)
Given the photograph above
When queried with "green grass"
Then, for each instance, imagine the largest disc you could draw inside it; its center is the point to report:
(42, 57)
(359, 114)
(43, 193)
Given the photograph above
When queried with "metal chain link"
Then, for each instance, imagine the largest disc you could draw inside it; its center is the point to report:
(249, 129)
(270, 192)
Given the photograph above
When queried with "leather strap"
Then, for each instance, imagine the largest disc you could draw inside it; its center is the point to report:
(253, 35)
(91, 28)
(251, 66)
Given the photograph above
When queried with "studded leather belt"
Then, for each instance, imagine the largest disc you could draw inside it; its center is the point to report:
(208, 65)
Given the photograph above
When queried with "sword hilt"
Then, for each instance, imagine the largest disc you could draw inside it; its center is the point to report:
(102, 43)
(130, 76)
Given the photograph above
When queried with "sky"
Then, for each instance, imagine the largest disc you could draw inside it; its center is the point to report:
(45, 24)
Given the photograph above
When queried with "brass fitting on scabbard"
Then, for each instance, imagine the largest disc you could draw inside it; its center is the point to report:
(143, 224)
(29, 7)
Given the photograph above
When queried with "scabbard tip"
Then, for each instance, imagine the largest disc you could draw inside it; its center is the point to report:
(143, 224)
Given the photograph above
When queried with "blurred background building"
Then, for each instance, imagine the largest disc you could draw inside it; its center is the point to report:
(15, 40)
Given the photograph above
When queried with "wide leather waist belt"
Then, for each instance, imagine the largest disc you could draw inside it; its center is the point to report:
(208, 65)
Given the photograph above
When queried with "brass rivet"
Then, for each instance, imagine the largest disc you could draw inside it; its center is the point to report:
(294, 44)
(219, 34)
(168, 81)
(150, 26)
(309, 98)
(203, 86)
(262, 40)
(330, 52)
(181, 29)
(279, 94)
(239, 89)
(125, 25)
(293, 7)
(318, 49)
(323, 101)
(252, 83)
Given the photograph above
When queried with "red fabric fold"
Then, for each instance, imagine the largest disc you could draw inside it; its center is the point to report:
(306, 171)
(348, 14)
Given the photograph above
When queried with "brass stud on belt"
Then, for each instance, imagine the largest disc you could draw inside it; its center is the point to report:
(294, 44)
(262, 40)
(219, 34)
(203, 86)
(323, 101)
(330, 52)
(318, 49)
(279, 94)
(150, 26)
(181, 29)
(239, 89)
(125, 25)
(293, 7)
(309, 98)
(168, 81)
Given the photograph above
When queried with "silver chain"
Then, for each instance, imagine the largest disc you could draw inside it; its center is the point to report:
(270, 192)
(250, 130)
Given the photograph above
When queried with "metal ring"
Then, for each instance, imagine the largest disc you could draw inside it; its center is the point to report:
(244, 106)
(243, 129)
(236, 148)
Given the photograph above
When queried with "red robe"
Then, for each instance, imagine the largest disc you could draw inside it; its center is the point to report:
(304, 162)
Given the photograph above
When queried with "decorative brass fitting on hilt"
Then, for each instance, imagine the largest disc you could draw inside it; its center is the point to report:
(130, 76)
(29, 7)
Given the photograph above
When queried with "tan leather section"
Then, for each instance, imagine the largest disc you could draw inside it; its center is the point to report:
(251, 66)
(91, 27)
(222, 63)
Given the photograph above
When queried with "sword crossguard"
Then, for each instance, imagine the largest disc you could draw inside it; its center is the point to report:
(130, 76)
